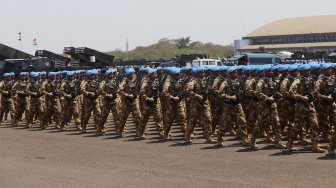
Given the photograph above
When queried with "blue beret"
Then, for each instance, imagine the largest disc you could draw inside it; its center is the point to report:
(129, 71)
(267, 68)
(276, 68)
(232, 69)
(247, 69)
(283, 68)
(305, 67)
(110, 71)
(186, 68)
(293, 67)
(259, 69)
(175, 71)
(197, 70)
(240, 68)
(325, 66)
(158, 68)
(315, 66)
(150, 71)
(70, 73)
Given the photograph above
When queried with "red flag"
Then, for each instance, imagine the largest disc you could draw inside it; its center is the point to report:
(34, 42)
(19, 36)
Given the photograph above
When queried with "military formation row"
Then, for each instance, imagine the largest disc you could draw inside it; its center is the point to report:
(297, 101)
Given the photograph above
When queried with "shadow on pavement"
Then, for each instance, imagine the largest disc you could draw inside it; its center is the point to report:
(213, 147)
(327, 157)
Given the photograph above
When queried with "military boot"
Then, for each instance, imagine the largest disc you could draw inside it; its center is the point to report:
(305, 142)
(253, 143)
(279, 143)
(220, 140)
(331, 151)
(290, 146)
(269, 138)
(187, 138)
(316, 148)
(245, 142)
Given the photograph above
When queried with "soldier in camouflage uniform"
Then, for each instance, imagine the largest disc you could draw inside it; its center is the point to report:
(108, 94)
(149, 95)
(197, 89)
(6, 101)
(305, 115)
(173, 90)
(19, 97)
(67, 95)
(90, 94)
(233, 111)
(324, 95)
(33, 100)
(128, 91)
(47, 107)
(217, 103)
(266, 91)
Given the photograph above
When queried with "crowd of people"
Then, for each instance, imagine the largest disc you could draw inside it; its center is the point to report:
(269, 101)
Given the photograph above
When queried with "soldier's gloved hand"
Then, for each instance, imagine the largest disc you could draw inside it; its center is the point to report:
(150, 99)
(305, 99)
(175, 98)
(199, 97)
(109, 95)
(68, 96)
(329, 98)
(270, 100)
(91, 94)
(232, 98)
(50, 94)
(130, 96)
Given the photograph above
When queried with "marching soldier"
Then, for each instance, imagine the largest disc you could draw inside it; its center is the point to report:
(33, 99)
(148, 99)
(128, 91)
(89, 90)
(19, 97)
(229, 93)
(108, 93)
(197, 89)
(6, 94)
(47, 104)
(305, 115)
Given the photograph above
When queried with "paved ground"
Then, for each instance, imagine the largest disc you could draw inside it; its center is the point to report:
(49, 158)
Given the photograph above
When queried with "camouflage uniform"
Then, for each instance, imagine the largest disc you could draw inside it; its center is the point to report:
(127, 89)
(233, 110)
(19, 100)
(108, 96)
(90, 95)
(33, 102)
(200, 111)
(67, 95)
(267, 110)
(6, 100)
(305, 113)
(249, 92)
(216, 104)
(149, 94)
(324, 102)
(324, 105)
(287, 107)
(48, 102)
(175, 109)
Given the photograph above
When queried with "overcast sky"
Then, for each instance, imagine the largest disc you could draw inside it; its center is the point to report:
(105, 24)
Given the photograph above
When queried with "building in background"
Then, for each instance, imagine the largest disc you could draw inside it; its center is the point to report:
(315, 34)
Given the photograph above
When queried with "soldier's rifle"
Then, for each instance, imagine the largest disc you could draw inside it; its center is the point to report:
(183, 88)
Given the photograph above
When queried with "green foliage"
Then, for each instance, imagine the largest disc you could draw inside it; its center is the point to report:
(183, 43)
(167, 49)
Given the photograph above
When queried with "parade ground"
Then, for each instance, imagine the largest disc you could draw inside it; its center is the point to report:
(50, 158)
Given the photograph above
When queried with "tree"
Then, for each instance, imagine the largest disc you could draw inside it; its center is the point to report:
(183, 43)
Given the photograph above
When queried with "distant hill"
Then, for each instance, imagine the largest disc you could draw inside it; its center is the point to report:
(166, 49)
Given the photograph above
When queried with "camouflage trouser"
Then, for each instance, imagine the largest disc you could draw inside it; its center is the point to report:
(5, 106)
(67, 111)
(305, 115)
(57, 112)
(164, 105)
(89, 106)
(77, 111)
(147, 111)
(32, 109)
(175, 112)
(287, 114)
(215, 113)
(268, 119)
(325, 117)
(107, 106)
(47, 111)
(200, 113)
(233, 113)
(252, 116)
(19, 108)
(127, 108)
(189, 106)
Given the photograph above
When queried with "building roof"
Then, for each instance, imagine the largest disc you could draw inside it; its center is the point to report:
(297, 26)
(289, 46)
